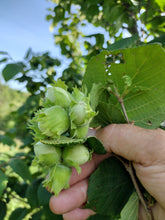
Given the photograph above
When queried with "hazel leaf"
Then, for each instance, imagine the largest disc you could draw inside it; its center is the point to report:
(109, 189)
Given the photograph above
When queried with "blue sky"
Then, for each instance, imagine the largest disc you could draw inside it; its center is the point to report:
(23, 25)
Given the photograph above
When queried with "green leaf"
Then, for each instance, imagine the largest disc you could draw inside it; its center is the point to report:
(3, 209)
(107, 114)
(11, 70)
(49, 215)
(161, 4)
(123, 43)
(100, 217)
(31, 193)
(43, 195)
(28, 54)
(3, 60)
(3, 182)
(97, 93)
(37, 215)
(7, 140)
(160, 39)
(20, 167)
(18, 214)
(109, 188)
(145, 67)
(131, 209)
(3, 53)
(95, 145)
(17, 186)
(95, 72)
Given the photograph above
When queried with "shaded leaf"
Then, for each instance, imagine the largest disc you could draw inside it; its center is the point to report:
(43, 195)
(31, 193)
(95, 145)
(107, 114)
(49, 215)
(37, 215)
(109, 188)
(3, 209)
(101, 217)
(20, 167)
(7, 140)
(3, 182)
(19, 187)
(160, 39)
(18, 214)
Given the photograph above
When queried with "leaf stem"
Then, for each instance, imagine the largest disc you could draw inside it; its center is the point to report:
(124, 110)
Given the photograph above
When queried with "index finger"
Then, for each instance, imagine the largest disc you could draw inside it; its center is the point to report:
(143, 146)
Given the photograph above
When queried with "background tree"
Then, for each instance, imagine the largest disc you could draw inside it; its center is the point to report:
(114, 25)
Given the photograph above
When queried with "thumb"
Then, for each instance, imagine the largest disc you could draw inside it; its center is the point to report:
(137, 144)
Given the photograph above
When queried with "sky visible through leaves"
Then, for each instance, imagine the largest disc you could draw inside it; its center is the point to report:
(23, 25)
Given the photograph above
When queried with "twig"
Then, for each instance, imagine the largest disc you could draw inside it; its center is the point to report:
(129, 166)
(147, 210)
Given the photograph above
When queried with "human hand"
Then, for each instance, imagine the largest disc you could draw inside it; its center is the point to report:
(145, 148)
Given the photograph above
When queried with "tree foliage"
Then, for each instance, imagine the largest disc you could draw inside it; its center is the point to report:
(120, 28)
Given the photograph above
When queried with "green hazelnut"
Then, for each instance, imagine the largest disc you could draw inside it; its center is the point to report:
(75, 155)
(58, 178)
(47, 154)
(53, 121)
(58, 96)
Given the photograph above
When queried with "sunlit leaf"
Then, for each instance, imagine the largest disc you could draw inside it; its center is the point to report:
(131, 209)
(145, 66)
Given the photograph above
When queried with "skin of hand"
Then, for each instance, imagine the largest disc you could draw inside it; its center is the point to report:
(144, 147)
